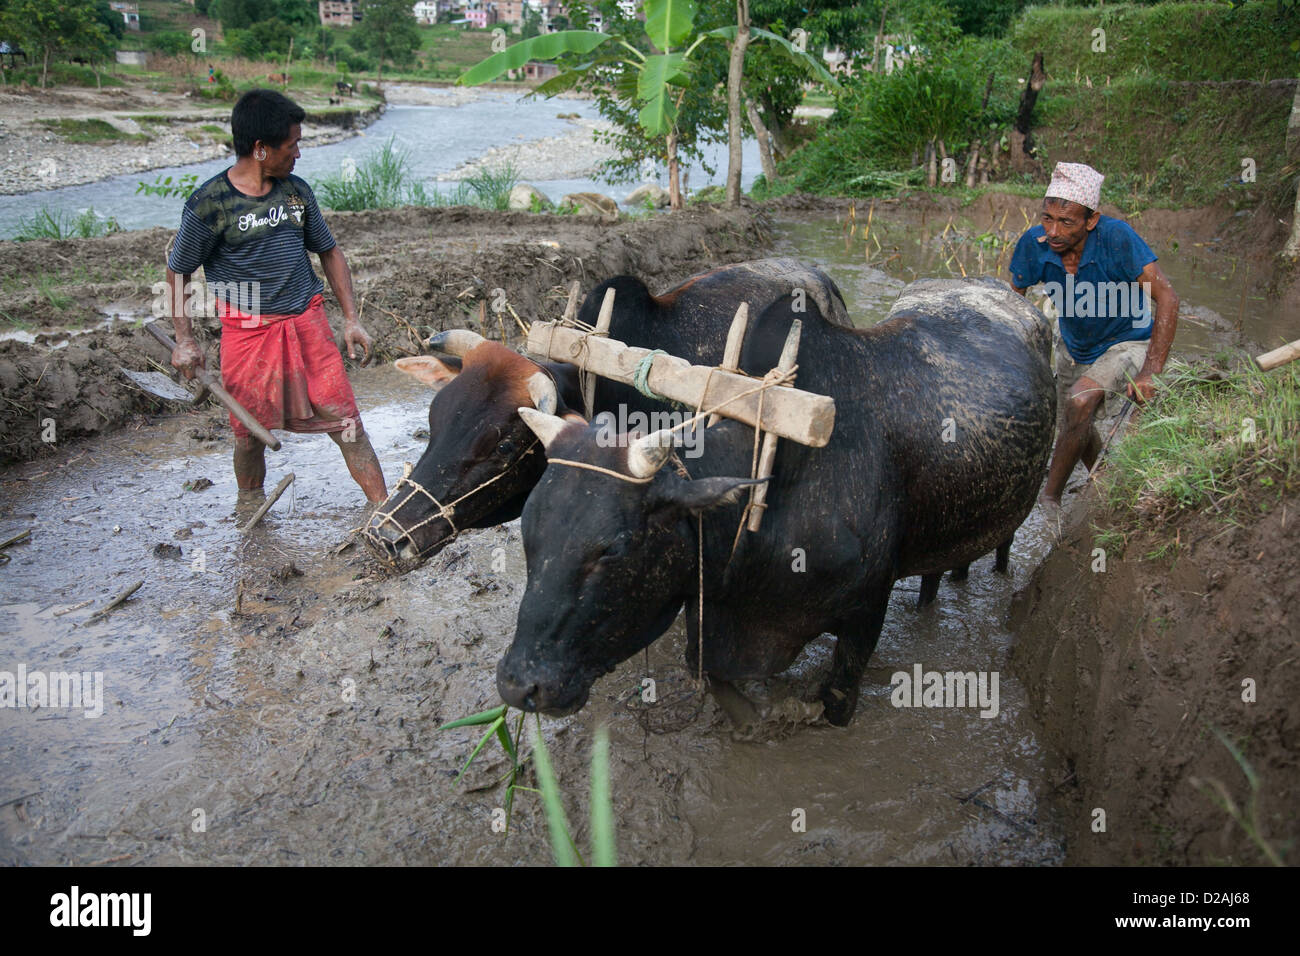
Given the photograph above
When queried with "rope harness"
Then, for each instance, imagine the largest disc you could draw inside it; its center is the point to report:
(445, 512)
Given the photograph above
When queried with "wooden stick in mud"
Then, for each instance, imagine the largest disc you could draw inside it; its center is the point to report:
(271, 499)
(767, 458)
(790, 413)
(731, 351)
(117, 600)
(75, 607)
(602, 328)
(571, 307)
(220, 394)
(15, 539)
(1269, 360)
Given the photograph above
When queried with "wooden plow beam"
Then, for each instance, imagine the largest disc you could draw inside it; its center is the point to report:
(800, 416)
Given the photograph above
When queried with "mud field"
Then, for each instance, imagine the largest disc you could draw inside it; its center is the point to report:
(275, 697)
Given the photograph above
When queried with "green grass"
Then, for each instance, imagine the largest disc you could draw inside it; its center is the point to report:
(448, 51)
(1225, 446)
(1184, 41)
(603, 839)
(382, 181)
(92, 131)
(57, 224)
(1166, 143)
(61, 74)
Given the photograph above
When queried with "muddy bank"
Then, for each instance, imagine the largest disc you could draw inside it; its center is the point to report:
(1131, 671)
(158, 130)
(416, 271)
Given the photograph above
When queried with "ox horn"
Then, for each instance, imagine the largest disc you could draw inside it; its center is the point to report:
(455, 341)
(542, 391)
(647, 455)
(545, 426)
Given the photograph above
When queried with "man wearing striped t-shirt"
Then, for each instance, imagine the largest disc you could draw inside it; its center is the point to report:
(251, 228)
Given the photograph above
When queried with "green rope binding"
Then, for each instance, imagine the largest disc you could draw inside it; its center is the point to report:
(642, 372)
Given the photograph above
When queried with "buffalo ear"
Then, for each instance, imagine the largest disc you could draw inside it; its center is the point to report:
(704, 493)
(432, 370)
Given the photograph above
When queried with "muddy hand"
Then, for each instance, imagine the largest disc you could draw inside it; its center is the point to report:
(1142, 389)
(353, 336)
(187, 357)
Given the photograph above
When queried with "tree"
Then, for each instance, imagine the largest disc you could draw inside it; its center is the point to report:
(387, 29)
(532, 23)
(52, 29)
(240, 14)
(654, 85)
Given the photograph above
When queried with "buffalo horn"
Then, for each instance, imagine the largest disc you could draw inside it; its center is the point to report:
(456, 341)
(647, 455)
(542, 391)
(545, 426)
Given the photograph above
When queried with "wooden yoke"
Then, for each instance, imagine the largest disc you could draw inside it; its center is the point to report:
(602, 329)
(787, 412)
(731, 352)
(767, 457)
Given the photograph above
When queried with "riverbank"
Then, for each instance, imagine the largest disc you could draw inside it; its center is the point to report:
(68, 136)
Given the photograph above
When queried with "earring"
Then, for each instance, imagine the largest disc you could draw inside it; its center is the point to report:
(261, 155)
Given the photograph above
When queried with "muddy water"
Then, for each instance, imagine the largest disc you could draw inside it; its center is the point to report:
(252, 713)
(291, 718)
(873, 252)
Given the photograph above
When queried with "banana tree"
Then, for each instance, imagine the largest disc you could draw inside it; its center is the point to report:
(651, 83)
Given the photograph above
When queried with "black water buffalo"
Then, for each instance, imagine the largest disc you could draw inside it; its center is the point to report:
(482, 461)
(611, 561)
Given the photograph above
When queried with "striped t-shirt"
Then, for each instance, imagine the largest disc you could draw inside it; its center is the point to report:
(253, 249)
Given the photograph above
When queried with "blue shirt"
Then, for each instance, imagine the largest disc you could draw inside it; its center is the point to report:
(1102, 304)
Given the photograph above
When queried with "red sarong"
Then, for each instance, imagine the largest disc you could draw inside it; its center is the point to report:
(286, 370)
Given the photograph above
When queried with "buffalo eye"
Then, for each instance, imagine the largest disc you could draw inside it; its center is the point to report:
(506, 448)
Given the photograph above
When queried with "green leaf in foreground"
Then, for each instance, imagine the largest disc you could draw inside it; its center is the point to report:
(604, 849)
(561, 844)
(482, 717)
(545, 47)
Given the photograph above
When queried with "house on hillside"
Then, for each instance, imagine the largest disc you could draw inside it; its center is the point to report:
(481, 14)
(130, 13)
(426, 12)
(338, 13)
(538, 70)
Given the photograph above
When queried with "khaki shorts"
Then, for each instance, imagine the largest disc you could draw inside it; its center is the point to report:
(1117, 366)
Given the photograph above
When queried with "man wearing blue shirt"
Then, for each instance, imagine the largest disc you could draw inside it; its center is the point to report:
(1117, 313)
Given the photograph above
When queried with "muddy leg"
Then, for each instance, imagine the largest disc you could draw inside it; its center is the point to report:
(929, 588)
(362, 463)
(739, 708)
(250, 463)
(960, 574)
(854, 642)
(1077, 438)
(1003, 559)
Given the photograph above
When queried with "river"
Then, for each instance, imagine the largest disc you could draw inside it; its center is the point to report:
(437, 140)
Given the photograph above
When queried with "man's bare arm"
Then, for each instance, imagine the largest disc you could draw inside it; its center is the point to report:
(339, 276)
(187, 356)
(1162, 335)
